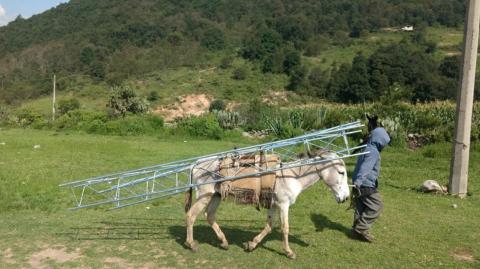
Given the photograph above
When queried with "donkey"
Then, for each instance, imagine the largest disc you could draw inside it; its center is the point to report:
(289, 184)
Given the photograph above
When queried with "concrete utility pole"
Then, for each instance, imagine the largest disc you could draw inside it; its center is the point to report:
(53, 99)
(461, 145)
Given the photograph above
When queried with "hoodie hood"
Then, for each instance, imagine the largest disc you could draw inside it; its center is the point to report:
(379, 138)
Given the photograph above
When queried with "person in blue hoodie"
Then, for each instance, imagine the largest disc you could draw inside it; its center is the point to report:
(368, 202)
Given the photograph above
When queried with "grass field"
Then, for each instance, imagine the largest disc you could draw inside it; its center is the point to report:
(416, 230)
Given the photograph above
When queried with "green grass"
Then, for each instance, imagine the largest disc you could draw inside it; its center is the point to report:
(172, 83)
(415, 231)
(448, 43)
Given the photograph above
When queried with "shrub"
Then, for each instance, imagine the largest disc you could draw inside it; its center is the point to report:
(226, 62)
(254, 114)
(5, 114)
(100, 123)
(123, 100)
(134, 125)
(67, 105)
(203, 126)
(80, 120)
(240, 73)
(217, 105)
(29, 118)
(153, 96)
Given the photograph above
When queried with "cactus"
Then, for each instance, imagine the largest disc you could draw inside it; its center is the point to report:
(228, 120)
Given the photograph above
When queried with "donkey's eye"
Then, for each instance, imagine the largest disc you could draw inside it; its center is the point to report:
(341, 173)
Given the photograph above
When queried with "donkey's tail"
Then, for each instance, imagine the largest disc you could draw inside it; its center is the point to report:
(188, 199)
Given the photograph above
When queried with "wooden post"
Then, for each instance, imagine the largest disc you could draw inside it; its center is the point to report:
(53, 99)
(461, 145)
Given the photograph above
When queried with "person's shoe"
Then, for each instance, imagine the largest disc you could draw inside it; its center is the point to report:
(363, 236)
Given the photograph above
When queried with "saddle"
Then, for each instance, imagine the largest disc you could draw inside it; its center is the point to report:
(256, 189)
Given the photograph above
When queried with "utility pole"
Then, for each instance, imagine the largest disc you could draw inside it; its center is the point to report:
(53, 99)
(463, 122)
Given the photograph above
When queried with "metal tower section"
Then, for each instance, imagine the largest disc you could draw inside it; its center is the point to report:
(146, 184)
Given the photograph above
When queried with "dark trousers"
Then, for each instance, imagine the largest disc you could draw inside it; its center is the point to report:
(367, 209)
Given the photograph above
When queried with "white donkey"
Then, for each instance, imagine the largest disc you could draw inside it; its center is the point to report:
(290, 183)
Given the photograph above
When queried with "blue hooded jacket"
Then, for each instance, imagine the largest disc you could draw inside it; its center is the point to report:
(367, 169)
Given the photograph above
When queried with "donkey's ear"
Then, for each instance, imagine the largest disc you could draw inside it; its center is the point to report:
(368, 117)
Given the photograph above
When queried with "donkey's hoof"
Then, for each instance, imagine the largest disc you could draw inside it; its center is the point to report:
(292, 256)
(192, 246)
(249, 246)
(224, 246)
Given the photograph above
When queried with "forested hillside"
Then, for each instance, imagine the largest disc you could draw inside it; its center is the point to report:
(110, 41)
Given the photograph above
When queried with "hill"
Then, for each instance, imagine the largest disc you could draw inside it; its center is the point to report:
(109, 42)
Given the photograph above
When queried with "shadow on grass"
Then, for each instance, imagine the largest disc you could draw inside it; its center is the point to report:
(236, 235)
(237, 231)
(125, 229)
(402, 188)
(322, 222)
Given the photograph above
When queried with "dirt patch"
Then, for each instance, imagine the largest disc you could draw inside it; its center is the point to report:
(233, 106)
(8, 256)
(37, 260)
(463, 255)
(117, 262)
(187, 105)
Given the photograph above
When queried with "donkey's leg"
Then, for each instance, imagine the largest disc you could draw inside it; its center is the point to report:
(285, 230)
(211, 218)
(251, 245)
(191, 215)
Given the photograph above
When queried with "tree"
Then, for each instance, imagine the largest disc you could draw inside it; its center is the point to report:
(318, 81)
(450, 67)
(213, 38)
(292, 60)
(297, 78)
(97, 71)
(87, 56)
(338, 82)
(260, 44)
(357, 86)
(274, 63)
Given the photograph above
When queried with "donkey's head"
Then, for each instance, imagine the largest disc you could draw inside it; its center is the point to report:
(334, 173)
(372, 122)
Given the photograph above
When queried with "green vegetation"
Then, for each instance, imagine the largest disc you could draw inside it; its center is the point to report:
(416, 230)
(281, 66)
(434, 121)
(105, 45)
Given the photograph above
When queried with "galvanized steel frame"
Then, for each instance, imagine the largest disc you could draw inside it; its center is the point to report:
(146, 184)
